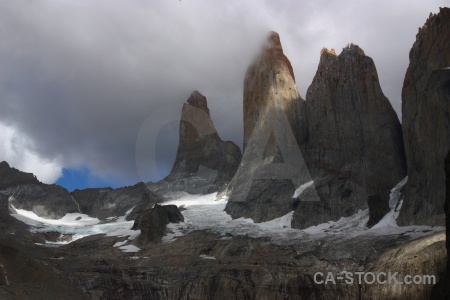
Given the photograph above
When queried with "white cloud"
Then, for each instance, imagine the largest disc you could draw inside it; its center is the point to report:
(17, 153)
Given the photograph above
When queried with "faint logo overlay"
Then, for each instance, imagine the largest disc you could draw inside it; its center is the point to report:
(146, 140)
(271, 122)
(381, 278)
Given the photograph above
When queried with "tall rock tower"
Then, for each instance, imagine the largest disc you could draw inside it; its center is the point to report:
(426, 122)
(204, 163)
(355, 149)
(272, 166)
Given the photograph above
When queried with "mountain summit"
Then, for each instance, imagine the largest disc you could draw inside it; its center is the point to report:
(204, 163)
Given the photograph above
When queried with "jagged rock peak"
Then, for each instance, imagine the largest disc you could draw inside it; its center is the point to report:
(195, 123)
(434, 19)
(269, 82)
(204, 163)
(198, 100)
(325, 51)
(351, 50)
(273, 51)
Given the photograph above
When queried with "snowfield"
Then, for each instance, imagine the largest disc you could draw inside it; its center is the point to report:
(205, 212)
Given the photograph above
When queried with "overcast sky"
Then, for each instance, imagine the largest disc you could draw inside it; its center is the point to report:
(82, 82)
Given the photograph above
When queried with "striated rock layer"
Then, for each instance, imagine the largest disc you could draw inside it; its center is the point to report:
(204, 163)
(426, 122)
(272, 165)
(354, 149)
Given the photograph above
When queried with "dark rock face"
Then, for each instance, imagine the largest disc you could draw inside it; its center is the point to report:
(204, 163)
(11, 177)
(447, 207)
(7, 222)
(426, 122)
(378, 208)
(354, 148)
(272, 166)
(442, 289)
(107, 202)
(153, 223)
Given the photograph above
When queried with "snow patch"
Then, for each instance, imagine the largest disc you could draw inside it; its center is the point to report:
(206, 256)
(395, 203)
(129, 249)
(70, 219)
(69, 225)
(396, 193)
(119, 244)
(302, 188)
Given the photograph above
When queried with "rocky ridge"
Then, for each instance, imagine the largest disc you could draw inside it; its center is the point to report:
(52, 201)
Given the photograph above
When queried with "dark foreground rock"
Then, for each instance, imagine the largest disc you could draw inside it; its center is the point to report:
(426, 122)
(202, 265)
(204, 163)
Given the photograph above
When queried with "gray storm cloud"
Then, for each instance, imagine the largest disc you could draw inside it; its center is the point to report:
(79, 79)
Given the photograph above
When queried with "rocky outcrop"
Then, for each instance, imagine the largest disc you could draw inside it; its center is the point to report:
(103, 203)
(272, 166)
(426, 122)
(152, 223)
(204, 163)
(12, 177)
(354, 148)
